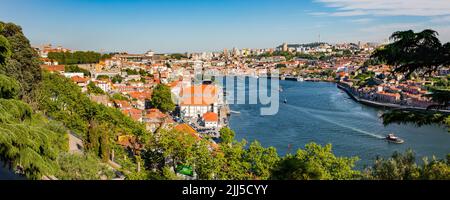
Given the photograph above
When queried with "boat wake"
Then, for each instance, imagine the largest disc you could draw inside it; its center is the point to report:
(235, 112)
(320, 117)
(335, 112)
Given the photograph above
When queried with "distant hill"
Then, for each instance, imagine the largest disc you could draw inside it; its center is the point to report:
(310, 45)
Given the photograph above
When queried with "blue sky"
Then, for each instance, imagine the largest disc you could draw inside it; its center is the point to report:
(168, 26)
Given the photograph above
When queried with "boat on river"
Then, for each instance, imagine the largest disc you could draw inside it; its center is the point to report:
(394, 139)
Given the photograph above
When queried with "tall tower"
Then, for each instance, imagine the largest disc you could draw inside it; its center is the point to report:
(285, 47)
(225, 53)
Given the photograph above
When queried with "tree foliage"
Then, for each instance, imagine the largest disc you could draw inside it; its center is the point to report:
(82, 167)
(403, 167)
(226, 135)
(93, 89)
(262, 160)
(34, 139)
(315, 163)
(5, 48)
(420, 53)
(117, 79)
(9, 88)
(162, 98)
(23, 63)
(61, 99)
(410, 52)
(78, 57)
(178, 56)
(28, 143)
(75, 68)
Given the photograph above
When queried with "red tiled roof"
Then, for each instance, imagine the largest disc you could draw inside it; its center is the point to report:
(53, 68)
(140, 95)
(199, 95)
(155, 114)
(211, 117)
(135, 114)
(185, 128)
(122, 103)
(78, 79)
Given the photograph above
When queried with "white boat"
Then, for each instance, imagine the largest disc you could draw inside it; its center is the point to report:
(394, 139)
(235, 112)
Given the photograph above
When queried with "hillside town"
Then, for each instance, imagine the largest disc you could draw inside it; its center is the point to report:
(201, 106)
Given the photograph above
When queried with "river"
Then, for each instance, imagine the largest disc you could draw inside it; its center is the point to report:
(319, 112)
(7, 174)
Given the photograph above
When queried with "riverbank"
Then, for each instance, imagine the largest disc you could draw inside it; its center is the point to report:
(320, 112)
(382, 104)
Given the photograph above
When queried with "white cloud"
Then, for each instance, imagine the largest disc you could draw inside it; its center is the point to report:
(319, 13)
(390, 28)
(361, 20)
(389, 7)
(380, 33)
(348, 13)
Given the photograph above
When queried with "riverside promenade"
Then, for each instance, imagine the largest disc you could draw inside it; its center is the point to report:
(382, 104)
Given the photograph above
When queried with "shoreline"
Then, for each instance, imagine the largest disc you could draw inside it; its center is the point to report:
(384, 105)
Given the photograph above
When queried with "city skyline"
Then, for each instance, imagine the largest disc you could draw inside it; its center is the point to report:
(198, 26)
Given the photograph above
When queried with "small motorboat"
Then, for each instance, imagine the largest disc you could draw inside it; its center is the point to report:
(394, 139)
(235, 112)
(285, 101)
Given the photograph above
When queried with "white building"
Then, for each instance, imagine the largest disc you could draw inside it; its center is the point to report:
(210, 120)
(73, 74)
(104, 85)
(197, 100)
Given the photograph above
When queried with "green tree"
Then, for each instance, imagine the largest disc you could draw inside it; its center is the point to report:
(414, 52)
(117, 79)
(23, 64)
(420, 53)
(5, 48)
(398, 167)
(29, 143)
(9, 88)
(78, 57)
(234, 167)
(315, 163)
(176, 146)
(226, 135)
(262, 160)
(98, 139)
(436, 169)
(93, 89)
(162, 98)
(178, 56)
(118, 96)
(75, 68)
(206, 162)
(81, 167)
(280, 66)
